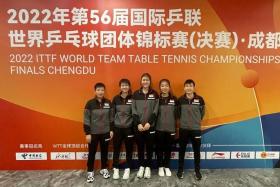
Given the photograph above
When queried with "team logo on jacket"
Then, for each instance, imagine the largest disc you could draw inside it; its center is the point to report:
(196, 102)
(171, 102)
(151, 96)
(129, 102)
(106, 105)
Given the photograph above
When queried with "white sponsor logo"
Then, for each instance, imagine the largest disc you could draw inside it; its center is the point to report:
(135, 156)
(81, 155)
(242, 155)
(174, 155)
(129, 101)
(190, 155)
(218, 155)
(62, 155)
(267, 155)
(31, 156)
(171, 101)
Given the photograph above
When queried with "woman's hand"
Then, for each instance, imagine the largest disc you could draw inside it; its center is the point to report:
(147, 126)
(111, 134)
(140, 127)
(88, 138)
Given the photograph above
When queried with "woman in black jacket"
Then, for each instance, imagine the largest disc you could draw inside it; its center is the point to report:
(123, 132)
(165, 127)
(144, 109)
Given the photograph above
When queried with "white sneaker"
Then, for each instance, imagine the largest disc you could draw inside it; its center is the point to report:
(140, 172)
(161, 171)
(147, 174)
(105, 173)
(116, 174)
(167, 172)
(126, 174)
(90, 177)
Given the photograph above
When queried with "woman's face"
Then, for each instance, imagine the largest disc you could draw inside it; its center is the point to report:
(124, 87)
(164, 87)
(145, 82)
(99, 92)
(189, 88)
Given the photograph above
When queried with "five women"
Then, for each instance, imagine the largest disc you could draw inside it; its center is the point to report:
(149, 119)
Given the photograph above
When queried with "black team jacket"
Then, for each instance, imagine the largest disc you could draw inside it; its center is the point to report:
(122, 111)
(166, 120)
(98, 116)
(145, 107)
(191, 112)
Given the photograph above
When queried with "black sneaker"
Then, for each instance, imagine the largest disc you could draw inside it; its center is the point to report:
(198, 175)
(180, 174)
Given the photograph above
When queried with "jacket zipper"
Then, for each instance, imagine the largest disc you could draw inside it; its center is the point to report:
(122, 113)
(145, 109)
(165, 113)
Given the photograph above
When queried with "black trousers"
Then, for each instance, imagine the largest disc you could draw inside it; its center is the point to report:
(103, 139)
(164, 141)
(194, 136)
(120, 135)
(145, 140)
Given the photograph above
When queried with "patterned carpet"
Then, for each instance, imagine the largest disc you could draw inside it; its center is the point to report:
(211, 178)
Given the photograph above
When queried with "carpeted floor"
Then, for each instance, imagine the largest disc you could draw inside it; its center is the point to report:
(211, 178)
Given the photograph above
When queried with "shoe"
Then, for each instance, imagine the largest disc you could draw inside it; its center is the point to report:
(147, 174)
(167, 172)
(180, 174)
(126, 174)
(198, 175)
(161, 172)
(140, 172)
(105, 173)
(90, 177)
(116, 174)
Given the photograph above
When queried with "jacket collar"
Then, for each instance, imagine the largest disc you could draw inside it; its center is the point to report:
(149, 92)
(194, 96)
(102, 101)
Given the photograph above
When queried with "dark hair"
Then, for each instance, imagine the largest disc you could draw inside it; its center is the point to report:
(189, 81)
(126, 81)
(99, 85)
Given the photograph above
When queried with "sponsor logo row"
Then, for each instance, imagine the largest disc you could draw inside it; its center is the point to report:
(174, 155)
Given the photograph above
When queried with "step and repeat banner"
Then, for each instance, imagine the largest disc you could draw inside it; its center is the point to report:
(53, 52)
